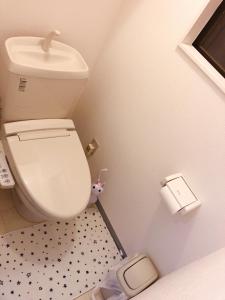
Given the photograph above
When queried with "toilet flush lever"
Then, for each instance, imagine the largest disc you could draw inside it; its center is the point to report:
(6, 179)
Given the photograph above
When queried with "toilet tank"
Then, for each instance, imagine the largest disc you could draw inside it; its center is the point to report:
(27, 96)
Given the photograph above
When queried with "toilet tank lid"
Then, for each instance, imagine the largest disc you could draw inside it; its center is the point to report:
(32, 125)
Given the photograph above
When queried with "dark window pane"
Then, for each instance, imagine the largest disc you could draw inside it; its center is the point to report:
(211, 41)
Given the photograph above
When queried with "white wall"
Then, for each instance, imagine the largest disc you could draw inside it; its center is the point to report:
(155, 113)
(83, 23)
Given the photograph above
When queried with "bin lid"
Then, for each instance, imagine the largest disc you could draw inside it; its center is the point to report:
(139, 273)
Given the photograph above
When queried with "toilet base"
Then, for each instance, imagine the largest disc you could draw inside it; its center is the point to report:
(24, 211)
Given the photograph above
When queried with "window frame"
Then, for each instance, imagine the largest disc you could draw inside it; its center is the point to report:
(203, 16)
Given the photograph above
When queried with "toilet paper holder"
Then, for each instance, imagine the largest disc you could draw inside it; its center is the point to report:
(178, 195)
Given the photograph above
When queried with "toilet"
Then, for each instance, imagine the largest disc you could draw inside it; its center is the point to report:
(41, 144)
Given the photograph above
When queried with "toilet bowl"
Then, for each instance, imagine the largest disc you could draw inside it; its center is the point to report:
(49, 167)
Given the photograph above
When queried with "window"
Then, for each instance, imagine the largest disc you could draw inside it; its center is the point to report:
(205, 42)
(211, 40)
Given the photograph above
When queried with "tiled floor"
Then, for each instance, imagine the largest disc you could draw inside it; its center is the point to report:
(85, 296)
(52, 260)
(9, 218)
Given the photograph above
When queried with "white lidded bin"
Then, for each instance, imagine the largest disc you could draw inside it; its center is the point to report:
(127, 279)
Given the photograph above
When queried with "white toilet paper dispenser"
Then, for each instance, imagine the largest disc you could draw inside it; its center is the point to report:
(178, 195)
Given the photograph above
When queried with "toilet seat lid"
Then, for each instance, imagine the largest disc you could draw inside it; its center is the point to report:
(52, 172)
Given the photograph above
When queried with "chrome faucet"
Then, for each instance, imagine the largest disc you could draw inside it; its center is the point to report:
(46, 43)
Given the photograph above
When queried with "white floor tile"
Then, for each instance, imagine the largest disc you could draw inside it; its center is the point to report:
(5, 200)
(9, 218)
(2, 226)
(13, 221)
(85, 296)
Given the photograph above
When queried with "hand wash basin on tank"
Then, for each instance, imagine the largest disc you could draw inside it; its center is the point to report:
(40, 78)
(25, 55)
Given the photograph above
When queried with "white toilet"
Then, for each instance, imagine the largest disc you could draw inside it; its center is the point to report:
(40, 142)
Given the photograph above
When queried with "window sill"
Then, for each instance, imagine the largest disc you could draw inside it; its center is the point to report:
(204, 65)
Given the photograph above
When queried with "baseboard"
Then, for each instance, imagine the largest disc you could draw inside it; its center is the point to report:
(111, 229)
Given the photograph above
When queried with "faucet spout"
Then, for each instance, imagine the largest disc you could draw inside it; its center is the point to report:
(46, 43)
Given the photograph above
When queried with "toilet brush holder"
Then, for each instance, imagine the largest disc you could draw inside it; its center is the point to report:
(97, 188)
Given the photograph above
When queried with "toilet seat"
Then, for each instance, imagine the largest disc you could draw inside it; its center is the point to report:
(51, 170)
